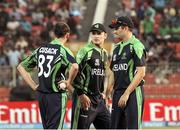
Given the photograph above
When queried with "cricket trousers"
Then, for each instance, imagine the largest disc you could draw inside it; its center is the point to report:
(52, 109)
(98, 114)
(129, 117)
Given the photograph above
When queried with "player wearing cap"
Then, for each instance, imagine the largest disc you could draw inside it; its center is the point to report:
(55, 62)
(128, 67)
(89, 105)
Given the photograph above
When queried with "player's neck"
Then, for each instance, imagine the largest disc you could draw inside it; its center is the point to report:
(62, 40)
(98, 45)
(127, 37)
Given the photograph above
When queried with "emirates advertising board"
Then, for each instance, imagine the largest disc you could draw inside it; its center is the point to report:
(157, 113)
(161, 112)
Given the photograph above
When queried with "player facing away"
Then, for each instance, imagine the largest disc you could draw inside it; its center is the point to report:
(89, 106)
(54, 61)
(128, 70)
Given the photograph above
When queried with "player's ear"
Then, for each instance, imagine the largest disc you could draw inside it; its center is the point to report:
(67, 35)
(126, 28)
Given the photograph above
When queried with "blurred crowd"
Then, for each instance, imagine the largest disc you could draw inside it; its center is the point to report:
(157, 24)
(25, 24)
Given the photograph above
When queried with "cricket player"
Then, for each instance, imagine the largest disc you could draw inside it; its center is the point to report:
(128, 70)
(54, 62)
(89, 104)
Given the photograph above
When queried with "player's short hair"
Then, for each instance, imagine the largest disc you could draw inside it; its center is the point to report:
(61, 29)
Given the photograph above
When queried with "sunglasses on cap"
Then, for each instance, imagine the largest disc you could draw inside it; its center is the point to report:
(115, 21)
(120, 23)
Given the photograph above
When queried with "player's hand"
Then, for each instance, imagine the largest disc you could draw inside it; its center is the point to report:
(62, 85)
(65, 86)
(69, 87)
(85, 101)
(105, 98)
(123, 100)
(35, 87)
(103, 95)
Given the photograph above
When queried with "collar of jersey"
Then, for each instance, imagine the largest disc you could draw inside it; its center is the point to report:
(122, 44)
(129, 41)
(94, 46)
(56, 41)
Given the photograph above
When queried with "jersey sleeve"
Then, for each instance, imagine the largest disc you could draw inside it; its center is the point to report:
(80, 56)
(139, 55)
(67, 56)
(30, 62)
(70, 57)
(78, 83)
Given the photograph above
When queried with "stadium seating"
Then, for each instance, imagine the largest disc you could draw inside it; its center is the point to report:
(149, 78)
(174, 78)
(162, 91)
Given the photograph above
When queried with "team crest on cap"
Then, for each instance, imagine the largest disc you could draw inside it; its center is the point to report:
(96, 25)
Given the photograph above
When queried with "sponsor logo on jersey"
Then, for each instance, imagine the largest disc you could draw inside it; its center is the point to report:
(97, 62)
(118, 67)
(48, 50)
(114, 57)
(124, 56)
(100, 72)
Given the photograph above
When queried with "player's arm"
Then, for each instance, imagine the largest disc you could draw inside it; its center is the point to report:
(139, 60)
(108, 73)
(135, 82)
(79, 81)
(110, 83)
(109, 88)
(27, 77)
(73, 69)
(27, 66)
(73, 72)
(137, 79)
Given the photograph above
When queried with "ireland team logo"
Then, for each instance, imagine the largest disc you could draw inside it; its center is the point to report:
(97, 62)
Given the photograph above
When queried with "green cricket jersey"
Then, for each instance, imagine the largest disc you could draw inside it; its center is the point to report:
(53, 61)
(92, 64)
(126, 57)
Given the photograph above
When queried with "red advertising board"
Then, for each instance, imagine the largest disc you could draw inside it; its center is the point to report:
(19, 112)
(164, 111)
